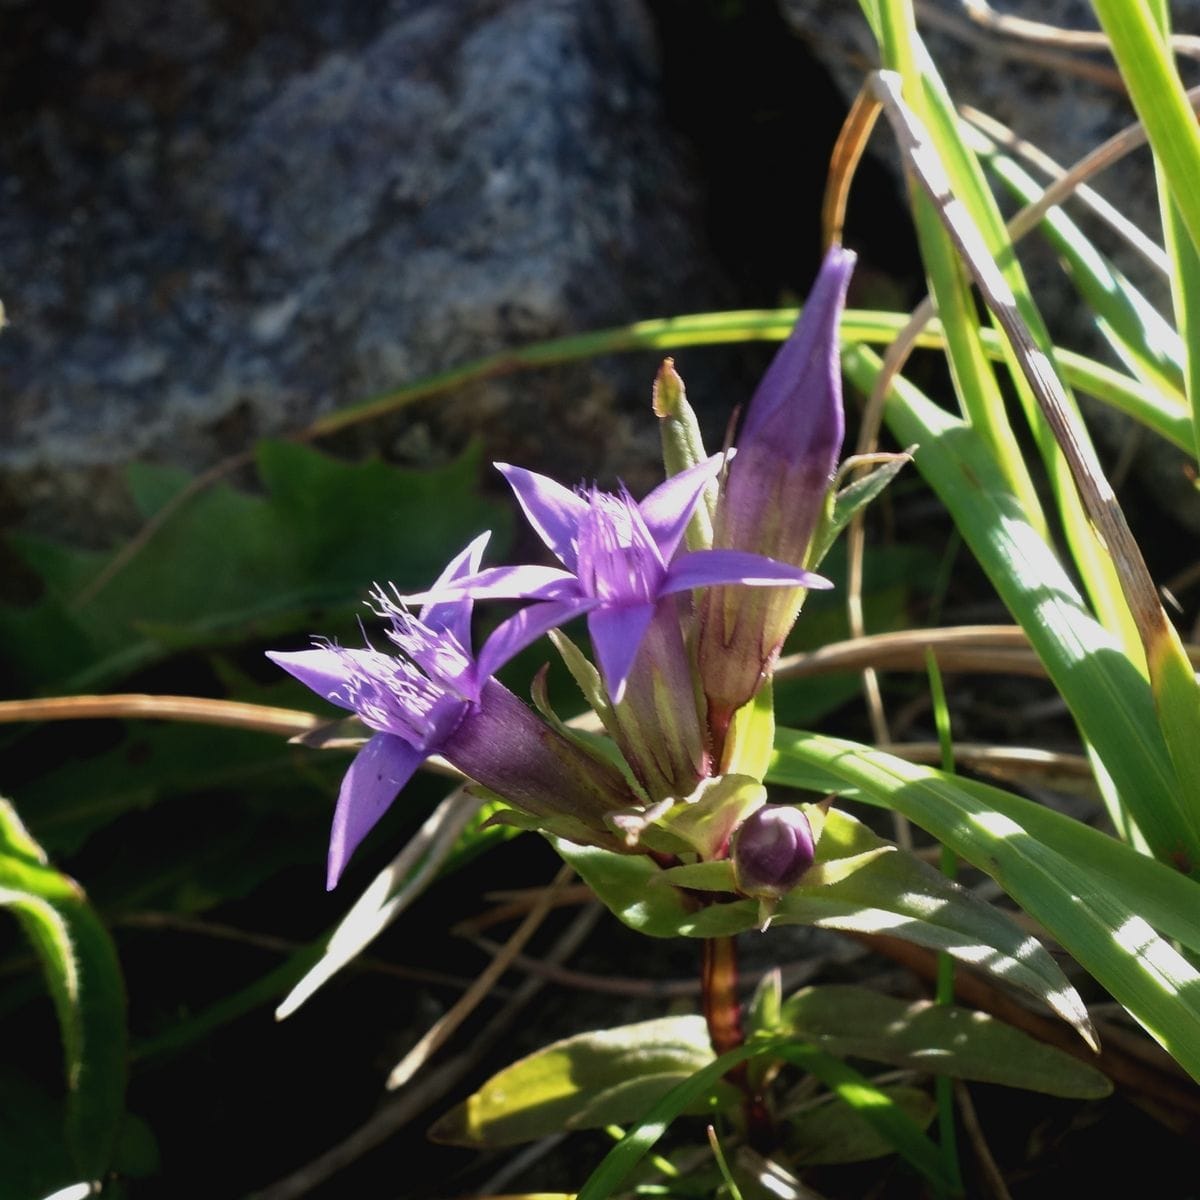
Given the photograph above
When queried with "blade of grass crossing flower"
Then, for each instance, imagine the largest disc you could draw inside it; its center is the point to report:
(974, 381)
(1110, 939)
(935, 123)
(1120, 584)
(1184, 255)
(84, 979)
(867, 1101)
(1107, 696)
(1158, 96)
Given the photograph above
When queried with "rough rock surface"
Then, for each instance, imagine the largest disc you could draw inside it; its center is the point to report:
(220, 220)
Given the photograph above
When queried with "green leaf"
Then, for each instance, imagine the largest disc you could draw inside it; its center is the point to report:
(586, 1082)
(1145, 341)
(829, 1132)
(856, 1022)
(1078, 905)
(893, 893)
(1148, 69)
(867, 1102)
(228, 564)
(84, 979)
(1107, 695)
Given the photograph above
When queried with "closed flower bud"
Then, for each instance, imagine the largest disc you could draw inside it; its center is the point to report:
(772, 849)
(772, 497)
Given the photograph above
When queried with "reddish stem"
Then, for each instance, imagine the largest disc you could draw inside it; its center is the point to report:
(723, 1013)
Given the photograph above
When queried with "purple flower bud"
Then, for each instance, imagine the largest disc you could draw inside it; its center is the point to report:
(772, 849)
(773, 494)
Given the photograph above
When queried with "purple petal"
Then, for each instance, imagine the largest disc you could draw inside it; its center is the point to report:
(510, 637)
(553, 510)
(668, 509)
(324, 670)
(617, 633)
(454, 616)
(379, 770)
(500, 583)
(710, 568)
(803, 385)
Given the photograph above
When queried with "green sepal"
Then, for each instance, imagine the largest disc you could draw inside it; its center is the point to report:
(841, 507)
(683, 447)
(700, 877)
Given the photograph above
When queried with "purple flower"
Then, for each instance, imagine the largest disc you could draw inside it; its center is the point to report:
(618, 560)
(431, 698)
(773, 494)
(772, 849)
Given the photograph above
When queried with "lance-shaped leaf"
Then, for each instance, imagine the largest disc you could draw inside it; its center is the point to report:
(892, 893)
(1096, 920)
(587, 1081)
(84, 979)
(941, 1039)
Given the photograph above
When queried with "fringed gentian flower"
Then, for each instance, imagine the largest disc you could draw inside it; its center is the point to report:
(431, 698)
(619, 562)
(772, 496)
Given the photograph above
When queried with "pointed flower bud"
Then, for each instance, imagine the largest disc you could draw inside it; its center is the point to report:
(772, 849)
(772, 496)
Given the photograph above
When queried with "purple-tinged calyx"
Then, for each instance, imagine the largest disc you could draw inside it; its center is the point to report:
(431, 698)
(772, 496)
(619, 561)
(772, 850)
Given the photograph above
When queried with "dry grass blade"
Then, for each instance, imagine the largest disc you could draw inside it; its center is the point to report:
(1095, 492)
(981, 12)
(232, 714)
(848, 150)
(1050, 767)
(1060, 59)
(431, 1086)
(391, 892)
(437, 1035)
(1116, 220)
(987, 649)
(983, 1153)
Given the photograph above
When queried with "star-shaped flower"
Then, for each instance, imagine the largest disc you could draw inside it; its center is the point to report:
(619, 559)
(413, 701)
(432, 698)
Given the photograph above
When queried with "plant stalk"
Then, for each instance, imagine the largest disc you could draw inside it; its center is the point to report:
(723, 1014)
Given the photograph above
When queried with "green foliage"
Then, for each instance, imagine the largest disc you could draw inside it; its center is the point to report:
(84, 980)
(231, 567)
(856, 1022)
(891, 893)
(586, 1082)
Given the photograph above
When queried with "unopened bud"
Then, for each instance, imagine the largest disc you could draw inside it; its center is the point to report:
(772, 849)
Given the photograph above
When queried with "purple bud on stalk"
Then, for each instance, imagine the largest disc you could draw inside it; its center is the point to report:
(772, 849)
(773, 494)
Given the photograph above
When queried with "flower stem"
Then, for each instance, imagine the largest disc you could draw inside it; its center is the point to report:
(723, 1013)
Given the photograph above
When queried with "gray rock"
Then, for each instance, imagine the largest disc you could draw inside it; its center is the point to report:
(229, 222)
